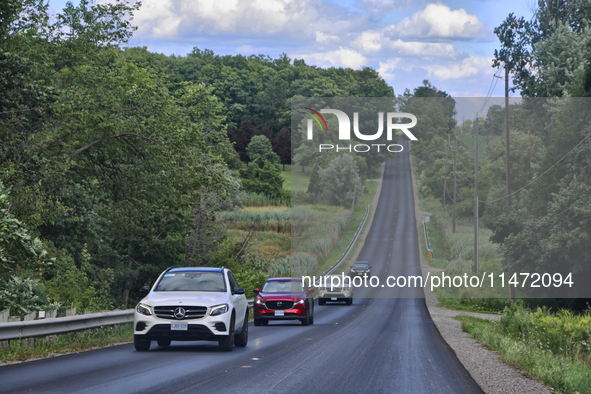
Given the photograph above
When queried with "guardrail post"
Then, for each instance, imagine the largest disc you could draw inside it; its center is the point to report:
(4, 315)
(50, 315)
(29, 342)
(13, 319)
(71, 311)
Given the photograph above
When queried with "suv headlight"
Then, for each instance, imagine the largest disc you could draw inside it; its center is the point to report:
(144, 309)
(219, 310)
(298, 302)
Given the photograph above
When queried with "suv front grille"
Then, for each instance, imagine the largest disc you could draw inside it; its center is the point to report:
(279, 305)
(191, 312)
(195, 332)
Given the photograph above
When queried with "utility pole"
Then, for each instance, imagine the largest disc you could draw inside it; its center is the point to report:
(354, 192)
(445, 177)
(487, 130)
(473, 130)
(475, 268)
(455, 179)
(507, 150)
(463, 125)
(507, 168)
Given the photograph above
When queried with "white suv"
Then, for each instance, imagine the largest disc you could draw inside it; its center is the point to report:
(192, 304)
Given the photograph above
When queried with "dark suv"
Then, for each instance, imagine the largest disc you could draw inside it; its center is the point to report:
(360, 268)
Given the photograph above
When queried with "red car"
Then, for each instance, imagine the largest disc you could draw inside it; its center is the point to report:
(283, 299)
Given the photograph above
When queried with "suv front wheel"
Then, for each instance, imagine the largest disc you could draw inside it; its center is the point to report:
(141, 345)
(227, 344)
(241, 339)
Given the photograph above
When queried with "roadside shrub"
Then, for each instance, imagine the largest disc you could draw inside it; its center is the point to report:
(23, 295)
(562, 333)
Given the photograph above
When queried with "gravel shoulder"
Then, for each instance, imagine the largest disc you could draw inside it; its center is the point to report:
(485, 366)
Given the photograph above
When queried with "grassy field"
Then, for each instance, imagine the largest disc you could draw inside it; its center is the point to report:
(295, 179)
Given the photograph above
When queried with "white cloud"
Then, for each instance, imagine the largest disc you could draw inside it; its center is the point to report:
(188, 19)
(387, 66)
(466, 68)
(325, 38)
(343, 57)
(369, 41)
(374, 41)
(422, 49)
(164, 18)
(439, 21)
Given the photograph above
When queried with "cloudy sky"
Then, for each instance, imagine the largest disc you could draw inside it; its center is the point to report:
(451, 42)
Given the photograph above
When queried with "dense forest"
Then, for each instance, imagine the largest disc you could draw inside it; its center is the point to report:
(114, 160)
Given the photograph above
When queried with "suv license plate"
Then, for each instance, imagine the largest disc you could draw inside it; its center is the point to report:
(279, 313)
(333, 299)
(179, 326)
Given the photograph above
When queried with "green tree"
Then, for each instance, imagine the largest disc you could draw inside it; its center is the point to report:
(341, 181)
(260, 147)
(263, 177)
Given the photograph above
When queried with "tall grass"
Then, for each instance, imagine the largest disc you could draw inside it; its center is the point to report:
(563, 333)
(260, 200)
(296, 265)
(455, 253)
(314, 230)
(320, 232)
(551, 347)
(278, 221)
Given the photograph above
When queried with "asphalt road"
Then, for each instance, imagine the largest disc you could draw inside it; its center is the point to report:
(384, 343)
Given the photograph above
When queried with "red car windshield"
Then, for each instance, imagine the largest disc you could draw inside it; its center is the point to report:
(283, 286)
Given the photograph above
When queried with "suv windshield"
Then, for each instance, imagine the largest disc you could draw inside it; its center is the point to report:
(360, 266)
(283, 286)
(192, 281)
(338, 283)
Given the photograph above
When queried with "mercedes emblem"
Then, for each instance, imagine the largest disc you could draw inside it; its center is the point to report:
(179, 313)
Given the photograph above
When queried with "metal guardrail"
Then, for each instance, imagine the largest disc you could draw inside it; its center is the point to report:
(429, 250)
(344, 256)
(61, 325)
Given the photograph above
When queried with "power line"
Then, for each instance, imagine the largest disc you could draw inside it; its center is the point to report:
(490, 89)
(544, 173)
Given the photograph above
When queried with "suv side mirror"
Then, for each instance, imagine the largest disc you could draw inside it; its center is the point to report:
(310, 289)
(145, 290)
(239, 290)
